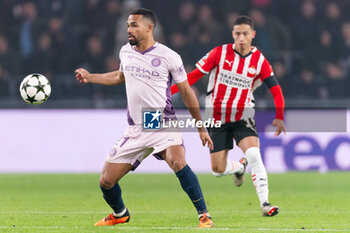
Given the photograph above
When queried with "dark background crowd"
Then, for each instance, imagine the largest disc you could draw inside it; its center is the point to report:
(306, 41)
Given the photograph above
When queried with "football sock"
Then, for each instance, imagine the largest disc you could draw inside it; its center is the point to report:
(259, 175)
(200, 215)
(231, 167)
(114, 199)
(120, 214)
(189, 183)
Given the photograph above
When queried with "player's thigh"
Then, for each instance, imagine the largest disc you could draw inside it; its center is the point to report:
(248, 142)
(174, 156)
(221, 137)
(113, 172)
(219, 160)
(245, 134)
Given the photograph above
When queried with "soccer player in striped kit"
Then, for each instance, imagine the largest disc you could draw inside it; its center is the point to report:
(235, 71)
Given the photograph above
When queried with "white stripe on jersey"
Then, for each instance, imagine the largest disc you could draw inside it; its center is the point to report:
(211, 80)
(257, 82)
(223, 104)
(221, 64)
(235, 63)
(208, 114)
(246, 65)
(260, 62)
(234, 106)
(200, 68)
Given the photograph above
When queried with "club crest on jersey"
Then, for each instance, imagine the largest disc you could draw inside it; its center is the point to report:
(155, 62)
(252, 70)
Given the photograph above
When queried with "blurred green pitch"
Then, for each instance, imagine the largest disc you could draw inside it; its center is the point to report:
(309, 202)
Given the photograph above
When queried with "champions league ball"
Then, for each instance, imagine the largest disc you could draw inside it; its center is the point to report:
(35, 89)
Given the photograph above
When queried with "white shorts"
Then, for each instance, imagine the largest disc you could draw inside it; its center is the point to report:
(136, 144)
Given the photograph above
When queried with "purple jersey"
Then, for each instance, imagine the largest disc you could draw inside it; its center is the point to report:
(148, 77)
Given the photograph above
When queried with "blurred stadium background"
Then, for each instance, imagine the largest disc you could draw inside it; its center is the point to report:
(306, 41)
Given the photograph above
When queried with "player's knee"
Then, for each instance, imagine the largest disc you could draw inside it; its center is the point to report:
(177, 164)
(106, 183)
(217, 170)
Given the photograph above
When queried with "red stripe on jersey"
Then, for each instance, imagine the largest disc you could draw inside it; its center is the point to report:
(229, 105)
(217, 70)
(218, 101)
(240, 65)
(240, 105)
(229, 58)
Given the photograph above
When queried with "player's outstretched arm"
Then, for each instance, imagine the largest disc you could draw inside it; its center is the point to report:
(192, 105)
(108, 79)
(278, 99)
(192, 78)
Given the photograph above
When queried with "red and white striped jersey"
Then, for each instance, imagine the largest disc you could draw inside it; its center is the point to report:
(232, 80)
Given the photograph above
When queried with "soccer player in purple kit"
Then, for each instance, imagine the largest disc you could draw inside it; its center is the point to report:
(147, 69)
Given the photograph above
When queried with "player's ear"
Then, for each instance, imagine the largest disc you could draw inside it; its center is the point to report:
(253, 34)
(150, 27)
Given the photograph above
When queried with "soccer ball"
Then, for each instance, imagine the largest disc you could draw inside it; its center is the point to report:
(35, 89)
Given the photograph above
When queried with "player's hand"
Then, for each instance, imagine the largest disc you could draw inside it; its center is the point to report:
(206, 139)
(279, 124)
(82, 75)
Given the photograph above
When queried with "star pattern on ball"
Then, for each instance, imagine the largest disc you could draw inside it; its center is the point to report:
(31, 99)
(25, 86)
(39, 87)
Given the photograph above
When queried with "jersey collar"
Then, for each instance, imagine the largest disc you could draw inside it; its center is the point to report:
(253, 49)
(147, 50)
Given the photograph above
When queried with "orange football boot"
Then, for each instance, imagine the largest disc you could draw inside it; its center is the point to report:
(205, 221)
(111, 220)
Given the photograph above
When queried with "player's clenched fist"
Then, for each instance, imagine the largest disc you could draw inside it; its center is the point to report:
(82, 75)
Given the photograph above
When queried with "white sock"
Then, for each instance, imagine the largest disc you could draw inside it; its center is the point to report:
(231, 167)
(200, 215)
(259, 175)
(119, 214)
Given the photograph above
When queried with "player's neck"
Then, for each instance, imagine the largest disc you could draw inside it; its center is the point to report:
(244, 51)
(144, 45)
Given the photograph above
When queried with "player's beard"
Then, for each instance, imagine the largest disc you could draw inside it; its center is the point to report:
(133, 41)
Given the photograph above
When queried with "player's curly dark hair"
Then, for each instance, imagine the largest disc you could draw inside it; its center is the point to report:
(243, 19)
(146, 13)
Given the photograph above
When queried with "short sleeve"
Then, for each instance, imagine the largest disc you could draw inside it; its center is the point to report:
(176, 68)
(209, 61)
(121, 68)
(265, 71)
